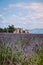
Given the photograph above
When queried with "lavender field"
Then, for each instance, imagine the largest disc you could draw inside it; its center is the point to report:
(21, 49)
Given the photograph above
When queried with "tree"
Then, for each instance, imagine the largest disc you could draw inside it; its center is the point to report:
(5, 30)
(1, 29)
(10, 29)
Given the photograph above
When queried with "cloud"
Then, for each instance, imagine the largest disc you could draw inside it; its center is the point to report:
(28, 15)
(35, 6)
(1, 18)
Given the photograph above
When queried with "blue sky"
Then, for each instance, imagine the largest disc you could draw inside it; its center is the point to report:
(21, 13)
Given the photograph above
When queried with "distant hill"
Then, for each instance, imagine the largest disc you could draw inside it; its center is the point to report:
(37, 31)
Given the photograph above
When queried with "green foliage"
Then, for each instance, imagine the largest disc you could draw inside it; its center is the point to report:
(5, 30)
(7, 57)
(24, 40)
(11, 28)
(40, 55)
(24, 63)
(1, 30)
(40, 61)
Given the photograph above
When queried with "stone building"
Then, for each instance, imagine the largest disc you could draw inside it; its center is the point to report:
(21, 30)
(26, 31)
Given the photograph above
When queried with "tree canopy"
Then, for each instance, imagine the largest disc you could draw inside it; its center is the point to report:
(9, 29)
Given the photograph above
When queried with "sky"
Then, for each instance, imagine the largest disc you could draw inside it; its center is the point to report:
(26, 14)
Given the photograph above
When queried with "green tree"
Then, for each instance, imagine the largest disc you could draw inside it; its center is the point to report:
(5, 30)
(1, 29)
(11, 28)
